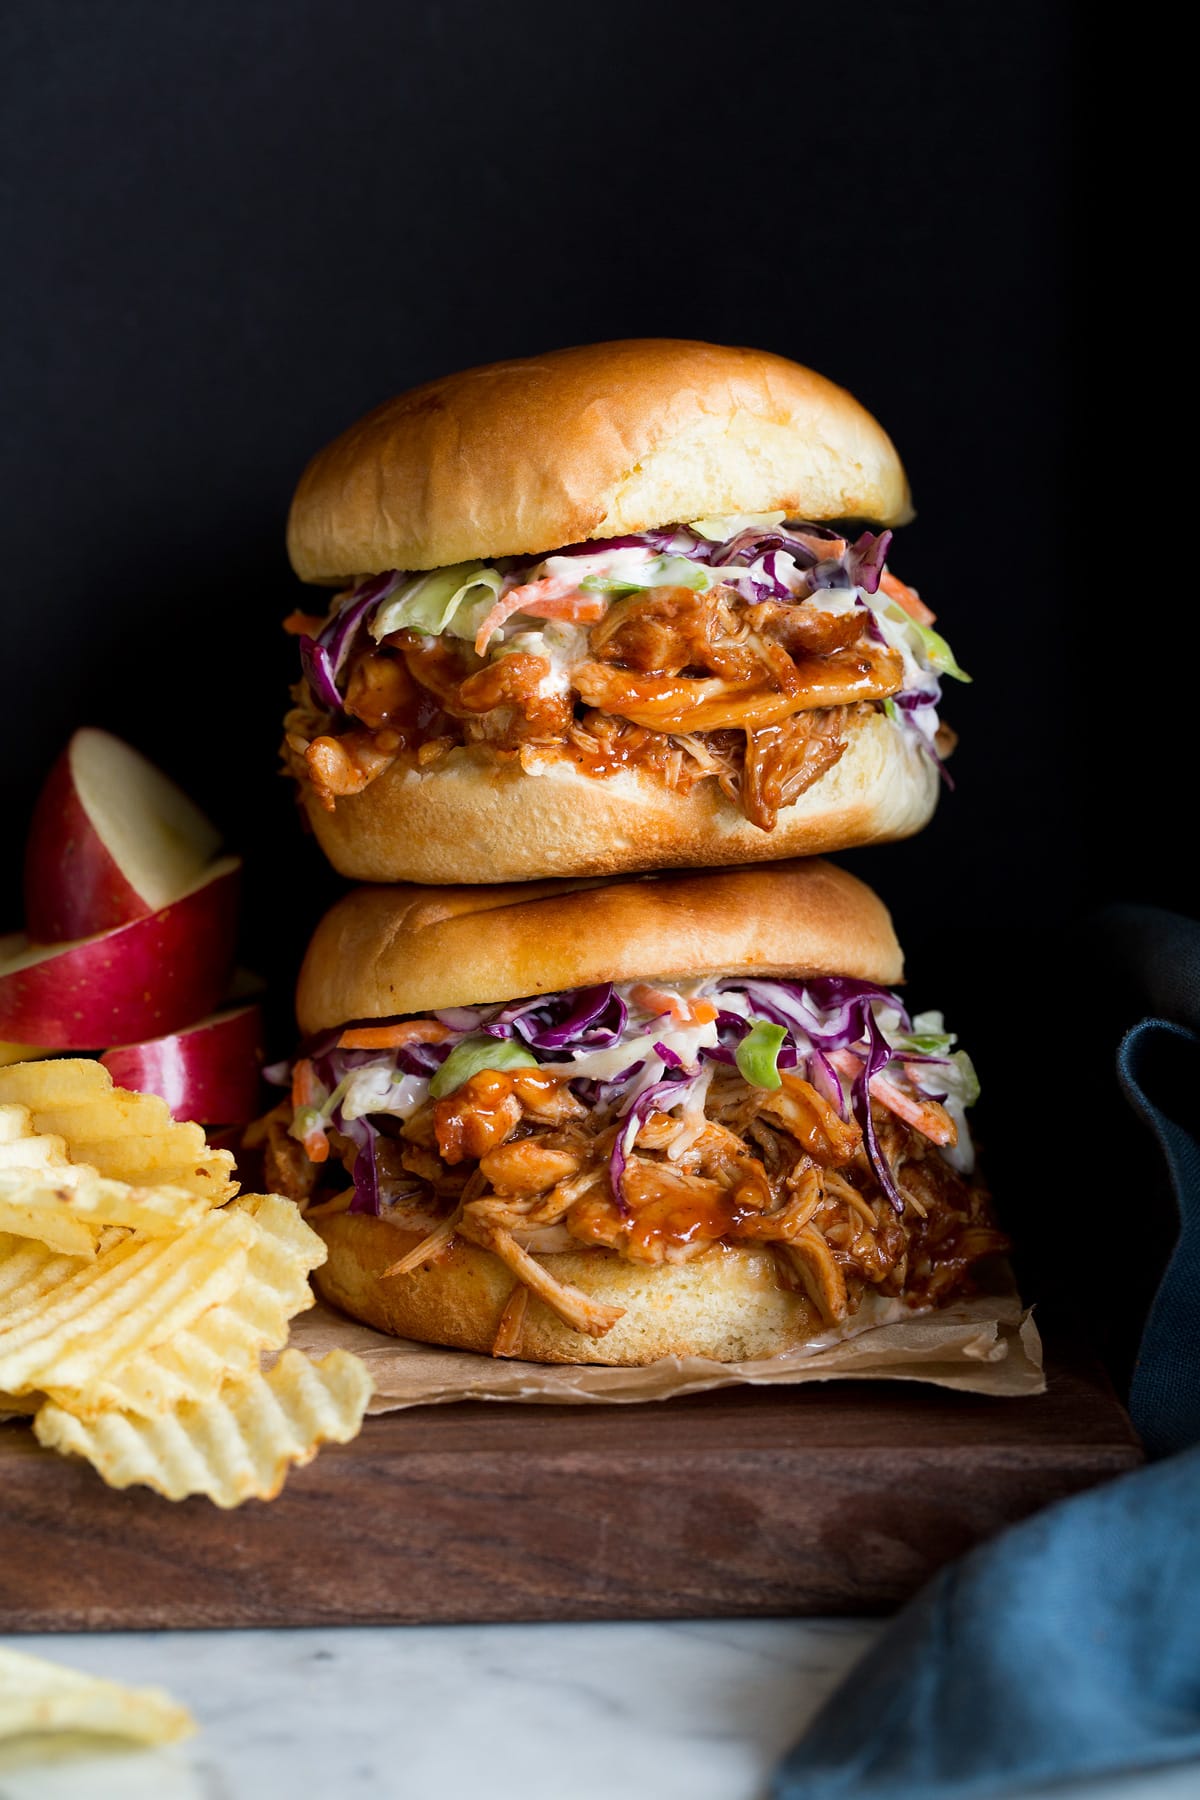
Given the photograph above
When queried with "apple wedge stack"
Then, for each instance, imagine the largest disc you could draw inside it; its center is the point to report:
(131, 919)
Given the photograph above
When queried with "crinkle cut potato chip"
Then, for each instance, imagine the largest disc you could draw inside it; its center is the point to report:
(228, 1340)
(238, 1446)
(70, 1322)
(28, 1272)
(31, 1208)
(38, 1697)
(23, 1147)
(26, 1154)
(70, 1216)
(138, 1298)
(127, 1136)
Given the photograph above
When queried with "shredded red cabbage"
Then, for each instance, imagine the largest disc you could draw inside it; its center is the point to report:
(593, 1016)
(663, 1095)
(865, 559)
(642, 540)
(916, 698)
(367, 1197)
(820, 1016)
(878, 1057)
(324, 656)
(751, 545)
(826, 1080)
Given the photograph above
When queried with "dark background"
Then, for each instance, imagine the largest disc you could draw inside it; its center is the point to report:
(229, 229)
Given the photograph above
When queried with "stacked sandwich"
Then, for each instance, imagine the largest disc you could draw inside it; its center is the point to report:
(602, 617)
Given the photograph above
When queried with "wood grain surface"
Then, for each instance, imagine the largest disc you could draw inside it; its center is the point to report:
(816, 1499)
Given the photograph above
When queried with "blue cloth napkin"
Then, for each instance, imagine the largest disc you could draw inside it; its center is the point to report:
(1069, 1646)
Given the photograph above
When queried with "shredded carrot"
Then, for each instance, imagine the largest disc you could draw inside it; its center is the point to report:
(928, 1116)
(304, 1084)
(537, 595)
(390, 1037)
(581, 609)
(315, 1146)
(907, 597)
(304, 1093)
(684, 1012)
(302, 624)
(822, 547)
(701, 1012)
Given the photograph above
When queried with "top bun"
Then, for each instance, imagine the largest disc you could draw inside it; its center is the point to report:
(518, 458)
(387, 950)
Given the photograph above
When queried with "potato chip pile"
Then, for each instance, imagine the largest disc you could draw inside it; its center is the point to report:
(140, 1293)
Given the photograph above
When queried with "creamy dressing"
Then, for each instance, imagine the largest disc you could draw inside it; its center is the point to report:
(375, 1088)
(605, 562)
(559, 643)
(686, 1041)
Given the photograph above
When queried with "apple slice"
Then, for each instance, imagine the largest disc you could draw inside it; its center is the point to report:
(210, 1072)
(136, 981)
(111, 840)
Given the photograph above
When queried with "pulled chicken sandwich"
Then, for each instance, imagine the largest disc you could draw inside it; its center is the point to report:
(611, 1121)
(621, 607)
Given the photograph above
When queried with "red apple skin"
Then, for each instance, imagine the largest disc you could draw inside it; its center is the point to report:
(112, 839)
(141, 980)
(73, 887)
(209, 1072)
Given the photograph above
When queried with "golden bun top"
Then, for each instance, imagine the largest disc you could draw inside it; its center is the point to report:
(405, 949)
(519, 458)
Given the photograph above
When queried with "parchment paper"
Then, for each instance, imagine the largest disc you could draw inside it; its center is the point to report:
(986, 1345)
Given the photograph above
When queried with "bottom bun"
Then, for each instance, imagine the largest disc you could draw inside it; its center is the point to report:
(726, 1304)
(471, 818)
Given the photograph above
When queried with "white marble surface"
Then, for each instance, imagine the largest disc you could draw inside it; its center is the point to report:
(694, 1711)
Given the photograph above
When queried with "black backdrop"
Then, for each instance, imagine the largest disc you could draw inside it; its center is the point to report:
(230, 228)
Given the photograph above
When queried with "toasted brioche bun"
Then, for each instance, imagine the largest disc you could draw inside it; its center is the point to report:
(473, 818)
(522, 457)
(383, 951)
(727, 1304)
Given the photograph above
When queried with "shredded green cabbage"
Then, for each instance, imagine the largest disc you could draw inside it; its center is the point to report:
(441, 601)
(926, 644)
(757, 1056)
(929, 1037)
(962, 1083)
(479, 1051)
(306, 1119)
(660, 571)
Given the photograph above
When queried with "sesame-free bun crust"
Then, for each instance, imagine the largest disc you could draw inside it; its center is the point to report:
(383, 951)
(518, 458)
(472, 817)
(726, 1304)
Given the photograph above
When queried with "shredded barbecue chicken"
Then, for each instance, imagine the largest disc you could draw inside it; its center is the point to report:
(514, 1162)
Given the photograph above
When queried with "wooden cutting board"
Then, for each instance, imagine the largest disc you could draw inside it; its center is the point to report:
(838, 1498)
